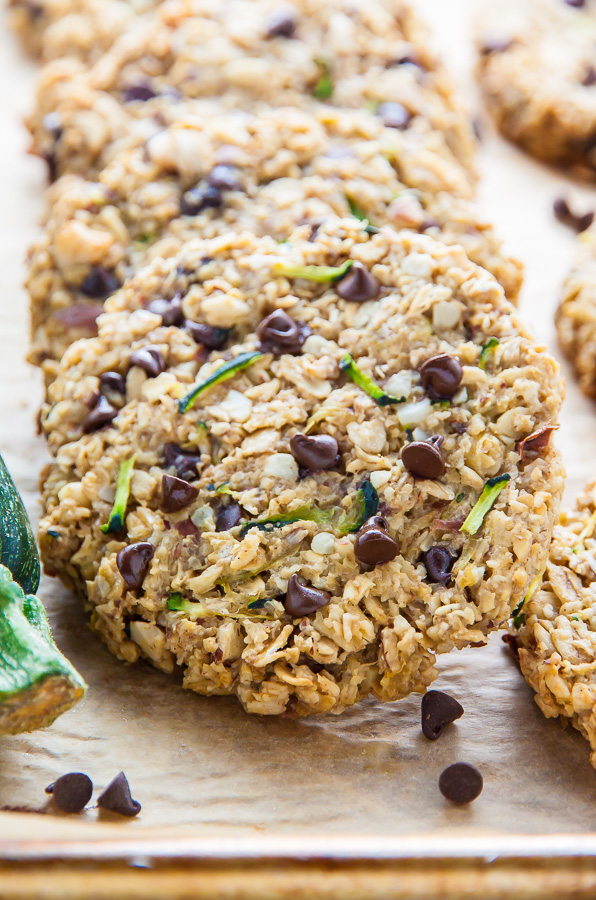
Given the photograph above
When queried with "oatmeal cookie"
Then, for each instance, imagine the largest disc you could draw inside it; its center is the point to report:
(556, 629)
(537, 71)
(265, 173)
(576, 314)
(345, 53)
(311, 512)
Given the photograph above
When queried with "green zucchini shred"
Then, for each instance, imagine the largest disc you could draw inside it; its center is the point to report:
(223, 373)
(319, 274)
(368, 385)
(116, 520)
(487, 349)
(490, 492)
(323, 89)
(176, 603)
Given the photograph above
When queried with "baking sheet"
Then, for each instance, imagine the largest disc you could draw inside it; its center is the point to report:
(203, 763)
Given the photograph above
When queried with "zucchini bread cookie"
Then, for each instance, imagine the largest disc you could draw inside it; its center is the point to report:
(537, 71)
(556, 630)
(266, 173)
(576, 314)
(310, 513)
(348, 53)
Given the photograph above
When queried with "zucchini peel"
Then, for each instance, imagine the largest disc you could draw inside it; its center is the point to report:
(116, 520)
(484, 504)
(319, 274)
(368, 385)
(223, 373)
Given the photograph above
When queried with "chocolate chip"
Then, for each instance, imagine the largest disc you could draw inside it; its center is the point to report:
(394, 115)
(441, 376)
(140, 92)
(133, 562)
(149, 359)
(279, 334)
(460, 783)
(80, 315)
(358, 285)
(512, 643)
(495, 46)
(112, 382)
(316, 451)
(281, 24)
(303, 599)
(373, 546)
(577, 4)
(185, 462)
(532, 446)
(423, 460)
(438, 562)
(210, 337)
(102, 414)
(199, 198)
(72, 792)
(438, 710)
(564, 214)
(589, 79)
(224, 177)
(117, 798)
(228, 516)
(169, 310)
(99, 282)
(176, 493)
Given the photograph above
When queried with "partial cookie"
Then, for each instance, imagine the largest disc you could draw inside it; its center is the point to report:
(242, 543)
(242, 53)
(264, 173)
(556, 629)
(576, 314)
(538, 74)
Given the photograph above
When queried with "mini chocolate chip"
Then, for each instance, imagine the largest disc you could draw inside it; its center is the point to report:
(279, 334)
(149, 359)
(460, 783)
(199, 198)
(99, 282)
(394, 115)
(315, 451)
(185, 462)
(423, 460)
(176, 493)
(102, 414)
(133, 562)
(577, 4)
(169, 310)
(438, 710)
(112, 381)
(358, 285)
(210, 337)
(303, 599)
(532, 446)
(589, 79)
(117, 798)
(224, 177)
(140, 92)
(281, 24)
(228, 516)
(564, 214)
(495, 46)
(438, 562)
(72, 792)
(379, 523)
(373, 547)
(441, 376)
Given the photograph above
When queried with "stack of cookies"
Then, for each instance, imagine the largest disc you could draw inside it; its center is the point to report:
(302, 440)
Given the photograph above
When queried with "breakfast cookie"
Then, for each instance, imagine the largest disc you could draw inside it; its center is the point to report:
(308, 513)
(242, 53)
(576, 314)
(538, 74)
(266, 173)
(556, 629)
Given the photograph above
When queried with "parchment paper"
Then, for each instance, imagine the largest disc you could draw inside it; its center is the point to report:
(203, 762)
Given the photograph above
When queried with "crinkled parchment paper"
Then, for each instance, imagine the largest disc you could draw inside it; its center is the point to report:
(203, 762)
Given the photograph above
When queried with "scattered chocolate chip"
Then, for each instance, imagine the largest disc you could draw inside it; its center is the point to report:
(228, 516)
(564, 215)
(117, 798)
(140, 92)
(358, 285)
(441, 376)
(423, 460)
(281, 24)
(394, 115)
(169, 310)
(133, 562)
(279, 334)
(187, 528)
(589, 79)
(100, 415)
(577, 4)
(438, 562)
(99, 282)
(460, 783)
(303, 599)
(149, 359)
(496, 46)
(373, 546)
(80, 315)
(438, 710)
(224, 177)
(316, 451)
(185, 462)
(112, 382)
(532, 446)
(72, 792)
(210, 337)
(512, 643)
(176, 493)
(199, 198)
